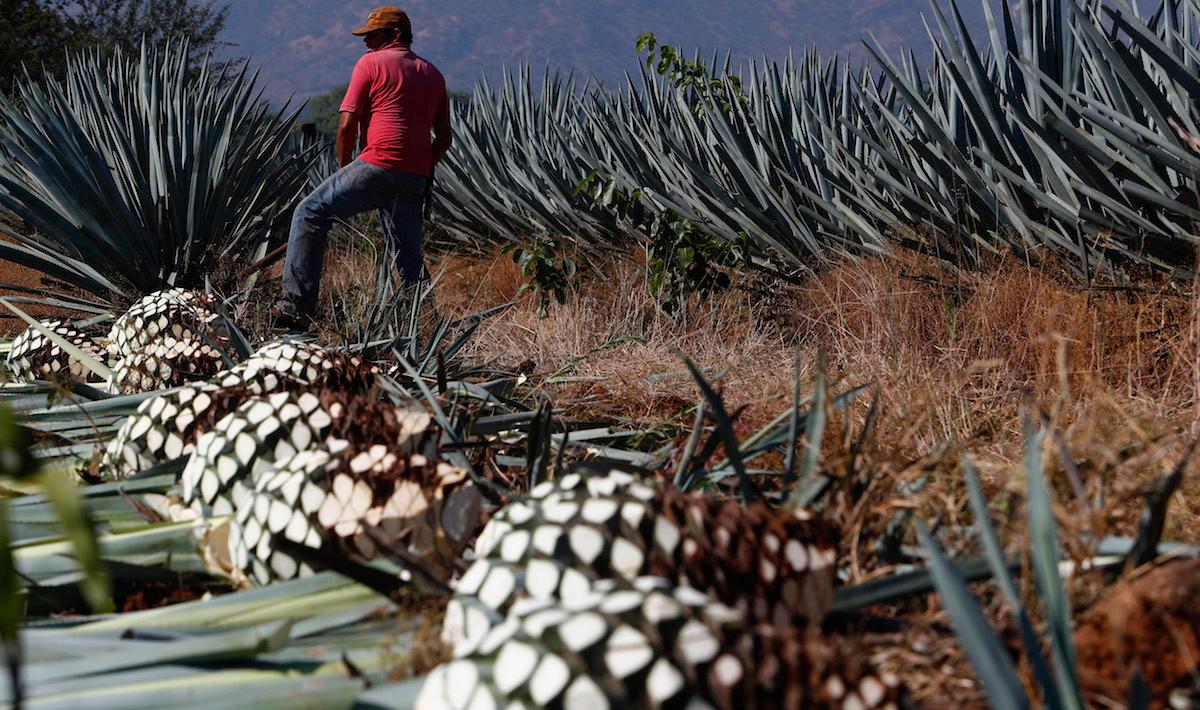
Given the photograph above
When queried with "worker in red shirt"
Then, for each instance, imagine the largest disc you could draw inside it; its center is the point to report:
(395, 99)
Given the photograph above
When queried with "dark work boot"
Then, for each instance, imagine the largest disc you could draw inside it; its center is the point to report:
(285, 316)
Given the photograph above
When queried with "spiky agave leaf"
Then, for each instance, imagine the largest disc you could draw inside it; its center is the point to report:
(647, 642)
(776, 566)
(33, 356)
(1072, 130)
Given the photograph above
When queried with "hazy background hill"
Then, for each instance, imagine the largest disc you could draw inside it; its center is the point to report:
(304, 46)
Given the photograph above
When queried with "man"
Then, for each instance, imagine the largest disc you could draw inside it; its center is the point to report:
(395, 98)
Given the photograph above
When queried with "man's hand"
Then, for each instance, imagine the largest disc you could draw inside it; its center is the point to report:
(347, 136)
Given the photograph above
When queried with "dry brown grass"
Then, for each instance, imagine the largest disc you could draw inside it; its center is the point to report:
(956, 358)
(608, 351)
(952, 355)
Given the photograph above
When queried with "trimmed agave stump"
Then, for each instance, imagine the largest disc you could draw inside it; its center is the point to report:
(648, 643)
(370, 478)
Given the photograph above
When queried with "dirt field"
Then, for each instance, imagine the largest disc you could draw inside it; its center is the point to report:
(14, 274)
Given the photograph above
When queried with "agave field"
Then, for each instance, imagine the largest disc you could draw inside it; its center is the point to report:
(200, 511)
(1064, 129)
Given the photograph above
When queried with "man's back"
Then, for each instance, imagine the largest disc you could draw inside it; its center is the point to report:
(399, 95)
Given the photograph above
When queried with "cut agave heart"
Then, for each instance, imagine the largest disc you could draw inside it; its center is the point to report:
(167, 426)
(34, 356)
(646, 642)
(776, 566)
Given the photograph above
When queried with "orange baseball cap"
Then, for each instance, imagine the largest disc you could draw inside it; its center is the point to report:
(384, 18)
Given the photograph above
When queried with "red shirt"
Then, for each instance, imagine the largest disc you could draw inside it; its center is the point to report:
(398, 95)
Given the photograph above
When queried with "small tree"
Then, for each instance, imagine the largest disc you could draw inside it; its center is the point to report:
(32, 33)
(39, 34)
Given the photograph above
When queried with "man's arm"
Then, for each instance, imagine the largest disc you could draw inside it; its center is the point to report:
(347, 136)
(443, 135)
(355, 109)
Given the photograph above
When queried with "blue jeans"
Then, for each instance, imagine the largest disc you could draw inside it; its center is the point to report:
(354, 189)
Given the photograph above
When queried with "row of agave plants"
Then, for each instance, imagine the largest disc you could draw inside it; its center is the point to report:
(579, 565)
(1067, 127)
(1070, 127)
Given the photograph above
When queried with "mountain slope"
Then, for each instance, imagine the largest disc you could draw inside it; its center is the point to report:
(304, 46)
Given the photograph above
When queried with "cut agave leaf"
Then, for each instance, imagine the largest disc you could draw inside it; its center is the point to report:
(988, 656)
(1043, 542)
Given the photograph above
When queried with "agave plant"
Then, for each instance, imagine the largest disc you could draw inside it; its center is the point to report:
(133, 173)
(1067, 132)
(1069, 127)
(489, 192)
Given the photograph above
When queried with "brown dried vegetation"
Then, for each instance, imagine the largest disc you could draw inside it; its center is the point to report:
(955, 357)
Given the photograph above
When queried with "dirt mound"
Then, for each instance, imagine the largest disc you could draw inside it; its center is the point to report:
(1150, 626)
(22, 277)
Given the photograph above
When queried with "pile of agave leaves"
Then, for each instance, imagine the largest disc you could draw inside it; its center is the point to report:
(335, 638)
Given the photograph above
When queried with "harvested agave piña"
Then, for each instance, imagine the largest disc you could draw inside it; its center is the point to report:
(178, 312)
(314, 365)
(384, 486)
(167, 426)
(259, 432)
(166, 362)
(775, 566)
(648, 643)
(34, 356)
(267, 430)
(224, 467)
(166, 339)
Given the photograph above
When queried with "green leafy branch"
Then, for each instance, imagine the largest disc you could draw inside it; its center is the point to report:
(548, 270)
(681, 256)
(691, 75)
